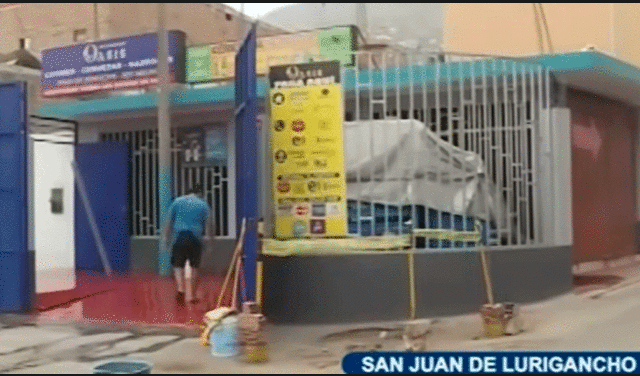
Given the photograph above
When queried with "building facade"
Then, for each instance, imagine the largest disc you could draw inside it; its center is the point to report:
(556, 132)
(58, 24)
(524, 29)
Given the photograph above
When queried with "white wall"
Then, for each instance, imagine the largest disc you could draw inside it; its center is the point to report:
(54, 233)
(555, 177)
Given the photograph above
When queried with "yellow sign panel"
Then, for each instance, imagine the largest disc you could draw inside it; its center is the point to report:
(308, 174)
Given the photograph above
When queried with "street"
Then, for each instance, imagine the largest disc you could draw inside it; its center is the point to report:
(570, 322)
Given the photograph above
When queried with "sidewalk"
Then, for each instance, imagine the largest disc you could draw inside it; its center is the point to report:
(31, 344)
(592, 278)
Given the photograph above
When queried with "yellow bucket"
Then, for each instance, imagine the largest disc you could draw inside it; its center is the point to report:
(255, 353)
(493, 320)
(494, 327)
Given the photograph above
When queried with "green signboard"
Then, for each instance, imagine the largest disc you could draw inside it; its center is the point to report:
(215, 62)
(337, 43)
(198, 63)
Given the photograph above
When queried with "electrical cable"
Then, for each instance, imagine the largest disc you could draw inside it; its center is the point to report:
(546, 27)
(538, 28)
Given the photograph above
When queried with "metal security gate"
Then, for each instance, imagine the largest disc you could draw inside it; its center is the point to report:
(144, 176)
(491, 109)
(16, 262)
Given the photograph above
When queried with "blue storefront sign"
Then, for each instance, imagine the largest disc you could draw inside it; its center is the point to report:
(115, 64)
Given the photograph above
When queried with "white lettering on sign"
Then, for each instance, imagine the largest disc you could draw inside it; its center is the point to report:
(309, 82)
(93, 54)
(60, 73)
(321, 81)
(101, 68)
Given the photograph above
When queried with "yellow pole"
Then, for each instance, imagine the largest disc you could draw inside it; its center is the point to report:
(259, 283)
(412, 286)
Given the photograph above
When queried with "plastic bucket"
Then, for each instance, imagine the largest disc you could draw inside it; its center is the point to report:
(257, 353)
(121, 367)
(223, 339)
(494, 327)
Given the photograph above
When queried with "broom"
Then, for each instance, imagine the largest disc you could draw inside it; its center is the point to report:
(213, 317)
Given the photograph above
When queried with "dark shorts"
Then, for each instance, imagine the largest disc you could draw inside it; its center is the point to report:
(186, 247)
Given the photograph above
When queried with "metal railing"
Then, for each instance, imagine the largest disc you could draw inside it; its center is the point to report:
(490, 109)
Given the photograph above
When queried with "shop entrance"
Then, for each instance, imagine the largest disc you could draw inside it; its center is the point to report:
(103, 168)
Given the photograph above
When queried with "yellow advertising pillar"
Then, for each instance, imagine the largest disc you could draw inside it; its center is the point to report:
(308, 174)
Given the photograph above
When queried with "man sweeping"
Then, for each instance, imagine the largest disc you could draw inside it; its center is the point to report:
(186, 220)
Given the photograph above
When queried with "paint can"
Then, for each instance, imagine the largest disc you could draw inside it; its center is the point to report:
(223, 339)
(494, 320)
(255, 353)
(251, 333)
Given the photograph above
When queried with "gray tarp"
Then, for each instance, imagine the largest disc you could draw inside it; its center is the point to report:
(411, 164)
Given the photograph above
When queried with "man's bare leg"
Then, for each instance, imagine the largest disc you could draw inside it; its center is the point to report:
(178, 274)
(192, 286)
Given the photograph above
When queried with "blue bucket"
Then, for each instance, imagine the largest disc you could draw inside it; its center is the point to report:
(223, 339)
(121, 367)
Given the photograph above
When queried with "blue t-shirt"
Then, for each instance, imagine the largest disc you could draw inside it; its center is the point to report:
(189, 213)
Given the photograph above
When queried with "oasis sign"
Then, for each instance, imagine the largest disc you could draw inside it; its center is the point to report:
(115, 64)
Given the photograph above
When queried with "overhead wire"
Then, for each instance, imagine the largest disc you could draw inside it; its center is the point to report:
(538, 27)
(546, 27)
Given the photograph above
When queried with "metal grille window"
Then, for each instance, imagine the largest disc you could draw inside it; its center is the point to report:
(489, 108)
(143, 196)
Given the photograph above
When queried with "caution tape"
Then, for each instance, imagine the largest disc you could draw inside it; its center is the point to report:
(463, 236)
(324, 246)
(360, 245)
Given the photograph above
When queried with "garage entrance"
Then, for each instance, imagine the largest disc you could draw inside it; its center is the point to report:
(603, 132)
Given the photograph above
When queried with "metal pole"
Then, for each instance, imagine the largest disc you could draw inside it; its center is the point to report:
(164, 137)
(241, 26)
(96, 35)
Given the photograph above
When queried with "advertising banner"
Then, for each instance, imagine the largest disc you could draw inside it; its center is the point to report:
(115, 64)
(216, 61)
(203, 145)
(308, 174)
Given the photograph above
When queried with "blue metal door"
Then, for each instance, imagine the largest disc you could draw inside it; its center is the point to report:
(247, 155)
(16, 265)
(104, 167)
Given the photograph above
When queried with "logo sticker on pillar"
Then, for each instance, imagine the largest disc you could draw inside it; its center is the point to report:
(299, 229)
(333, 210)
(301, 210)
(279, 125)
(313, 186)
(317, 226)
(284, 209)
(318, 210)
(284, 187)
(281, 156)
(297, 125)
(278, 98)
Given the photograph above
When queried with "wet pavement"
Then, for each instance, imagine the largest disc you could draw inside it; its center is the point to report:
(150, 299)
(137, 299)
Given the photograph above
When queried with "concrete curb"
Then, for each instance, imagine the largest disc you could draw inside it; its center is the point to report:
(599, 293)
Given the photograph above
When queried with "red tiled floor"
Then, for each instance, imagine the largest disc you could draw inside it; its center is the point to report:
(143, 299)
